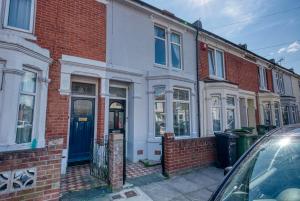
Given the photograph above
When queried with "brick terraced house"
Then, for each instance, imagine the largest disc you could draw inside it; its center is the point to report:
(75, 72)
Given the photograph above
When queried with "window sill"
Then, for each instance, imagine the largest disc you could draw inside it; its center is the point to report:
(264, 90)
(25, 35)
(161, 66)
(177, 69)
(18, 147)
(217, 78)
(183, 137)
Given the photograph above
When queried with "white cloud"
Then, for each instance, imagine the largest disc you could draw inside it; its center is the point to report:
(198, 3)
(240, 13)
(281, 50)
(294, 47)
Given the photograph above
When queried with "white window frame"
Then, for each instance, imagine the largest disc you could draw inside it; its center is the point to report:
(230, 107)
(263, 85)
(277, 109)
(181, 52)
(166, 46)
(190, 115)
(267, 103)
(280, 83)
(159, 101)
(221, 112)
(215, 64)
(35, 107)
(32, 14)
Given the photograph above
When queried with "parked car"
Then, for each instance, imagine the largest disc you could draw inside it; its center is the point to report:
(268, 171)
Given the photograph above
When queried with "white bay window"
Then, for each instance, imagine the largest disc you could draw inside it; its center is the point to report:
(26, 110)
(181, 112)
(160, 110)
(216, 113)
(230, 112)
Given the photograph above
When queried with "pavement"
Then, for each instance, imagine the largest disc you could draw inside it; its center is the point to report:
(195, 185)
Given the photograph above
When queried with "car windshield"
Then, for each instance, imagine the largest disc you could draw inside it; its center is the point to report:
(270, 173)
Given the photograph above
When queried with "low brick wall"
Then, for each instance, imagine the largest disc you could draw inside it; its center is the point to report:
(40, 168)
(185, 154)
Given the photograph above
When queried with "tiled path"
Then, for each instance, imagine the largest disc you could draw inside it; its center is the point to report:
(79, 178)
(196, 185)
(134, 170)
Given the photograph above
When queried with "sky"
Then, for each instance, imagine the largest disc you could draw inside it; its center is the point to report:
(270, 28)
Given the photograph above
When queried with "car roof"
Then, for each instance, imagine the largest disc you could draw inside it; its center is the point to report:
(290, 130)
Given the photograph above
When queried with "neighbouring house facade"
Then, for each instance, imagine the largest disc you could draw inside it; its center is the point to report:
(228, 86)
(239, 88)
(288, 89)
(48, 95)
(158, 72)
(72, 72)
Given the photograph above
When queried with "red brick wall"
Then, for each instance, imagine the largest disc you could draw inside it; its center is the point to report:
(269, 80)
(71, 27)
(188, 153)
(203, 61)
(241, 72)
(238, 70)
(47, 162)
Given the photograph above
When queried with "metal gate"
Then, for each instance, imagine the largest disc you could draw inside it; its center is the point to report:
(99, 161)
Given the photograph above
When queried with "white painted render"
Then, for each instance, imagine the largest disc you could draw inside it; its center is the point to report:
(16, 53)
(132, 47)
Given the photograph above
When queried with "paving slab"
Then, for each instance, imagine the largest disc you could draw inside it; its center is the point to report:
(199, 195)
(160, 191)
(182, 185)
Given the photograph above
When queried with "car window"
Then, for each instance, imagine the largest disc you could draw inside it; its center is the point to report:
(271, 172)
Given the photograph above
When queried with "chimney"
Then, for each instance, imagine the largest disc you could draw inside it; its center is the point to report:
(198, 24)
(244, 46)
(291, 69)
(273, 61)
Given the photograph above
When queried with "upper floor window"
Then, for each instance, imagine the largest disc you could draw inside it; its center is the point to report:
(216, 63)
(280, 83)
(27, 101)
(19, 15)
(181, 112)
(160, 46)
(176, 50)
(262, 78)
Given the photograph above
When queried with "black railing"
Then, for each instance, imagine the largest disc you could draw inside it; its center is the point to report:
(99, 161)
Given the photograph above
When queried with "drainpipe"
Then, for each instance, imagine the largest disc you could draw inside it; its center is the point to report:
(198, 26)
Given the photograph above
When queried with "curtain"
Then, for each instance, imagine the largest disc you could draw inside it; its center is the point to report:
(19, 14)
(176, 59)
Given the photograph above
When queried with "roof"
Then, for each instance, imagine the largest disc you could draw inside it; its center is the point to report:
(184, 22)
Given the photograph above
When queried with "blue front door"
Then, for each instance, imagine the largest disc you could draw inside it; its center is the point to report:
(81, 129)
